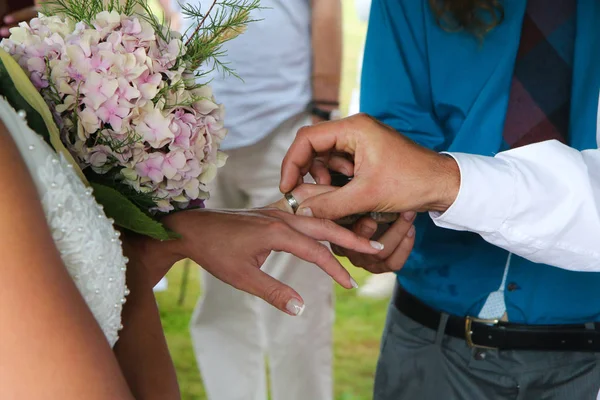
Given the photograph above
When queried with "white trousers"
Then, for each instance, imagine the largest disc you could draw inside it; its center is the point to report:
(234, 334)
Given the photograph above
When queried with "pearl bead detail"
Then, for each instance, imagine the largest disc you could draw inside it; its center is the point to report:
(22, 114)
(89, 247)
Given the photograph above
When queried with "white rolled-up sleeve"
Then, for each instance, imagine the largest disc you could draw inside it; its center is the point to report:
(540, 201)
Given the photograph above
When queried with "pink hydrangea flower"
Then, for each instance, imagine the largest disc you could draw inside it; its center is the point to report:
(126, 110)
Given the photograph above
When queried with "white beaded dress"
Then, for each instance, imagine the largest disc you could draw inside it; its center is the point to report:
(87, 241)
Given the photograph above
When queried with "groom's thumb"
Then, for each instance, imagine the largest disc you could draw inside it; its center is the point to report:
(336, 204)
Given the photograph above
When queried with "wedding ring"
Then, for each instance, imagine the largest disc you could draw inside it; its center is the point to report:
(292, 201)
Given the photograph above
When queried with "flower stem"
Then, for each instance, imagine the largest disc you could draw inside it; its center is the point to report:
(201, 23)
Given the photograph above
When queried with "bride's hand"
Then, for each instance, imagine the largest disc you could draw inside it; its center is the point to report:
(233, 245)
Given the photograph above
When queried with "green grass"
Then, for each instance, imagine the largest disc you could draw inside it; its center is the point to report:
(357, 330)
(358, 323)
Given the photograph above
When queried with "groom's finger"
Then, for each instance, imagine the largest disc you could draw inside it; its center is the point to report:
(311, 140)
(301, 193)
(354, 198)
(310, 250)
(319, 171)
(341, 164)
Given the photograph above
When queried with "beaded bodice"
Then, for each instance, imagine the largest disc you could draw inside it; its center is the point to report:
(88, 243)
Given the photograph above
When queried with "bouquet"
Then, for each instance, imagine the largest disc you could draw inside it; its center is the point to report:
(127, 97)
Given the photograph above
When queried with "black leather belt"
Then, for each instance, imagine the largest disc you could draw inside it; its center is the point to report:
(495, 334)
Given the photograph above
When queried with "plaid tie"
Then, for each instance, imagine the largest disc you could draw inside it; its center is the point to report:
(540, 95)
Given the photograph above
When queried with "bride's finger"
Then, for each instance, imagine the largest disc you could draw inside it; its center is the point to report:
(329, 231)
(274, 292)
(310, 250)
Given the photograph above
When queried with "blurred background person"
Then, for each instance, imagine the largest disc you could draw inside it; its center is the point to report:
(290, 63)
(14, 11)
(362, 13)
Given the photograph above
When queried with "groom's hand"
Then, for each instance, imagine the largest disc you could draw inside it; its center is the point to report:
(398, 240)
(391, 173)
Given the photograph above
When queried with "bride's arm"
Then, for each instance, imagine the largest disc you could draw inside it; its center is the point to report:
(50, 345)
(142, 349)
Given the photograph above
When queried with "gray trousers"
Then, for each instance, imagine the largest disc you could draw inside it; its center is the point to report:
(417, 363)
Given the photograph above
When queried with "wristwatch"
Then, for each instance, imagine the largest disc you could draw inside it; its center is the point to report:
(327, 115)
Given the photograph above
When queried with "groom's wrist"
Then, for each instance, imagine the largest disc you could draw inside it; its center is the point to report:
(445, 184)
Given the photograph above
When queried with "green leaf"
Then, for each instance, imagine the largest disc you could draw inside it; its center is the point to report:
(127, 215)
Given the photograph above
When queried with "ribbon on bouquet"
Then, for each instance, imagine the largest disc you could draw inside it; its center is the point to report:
(30, 94)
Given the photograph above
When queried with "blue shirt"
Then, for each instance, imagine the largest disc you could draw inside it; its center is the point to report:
(448, 91)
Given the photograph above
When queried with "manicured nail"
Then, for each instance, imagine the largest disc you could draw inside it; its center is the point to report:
(353, 283)
(409, 215)
(5, 32)
(411, 232)
(295, 307)
(9, 19)
(377, 245)
(306, 212)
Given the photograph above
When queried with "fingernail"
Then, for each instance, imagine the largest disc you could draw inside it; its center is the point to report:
(353, 283)
(9, 19)
(376, 245)
(295, 307)
(5, 32)
(411, 232)
(409, 215)
(306, 212)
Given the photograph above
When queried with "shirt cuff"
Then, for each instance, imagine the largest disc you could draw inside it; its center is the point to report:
(485, 197)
